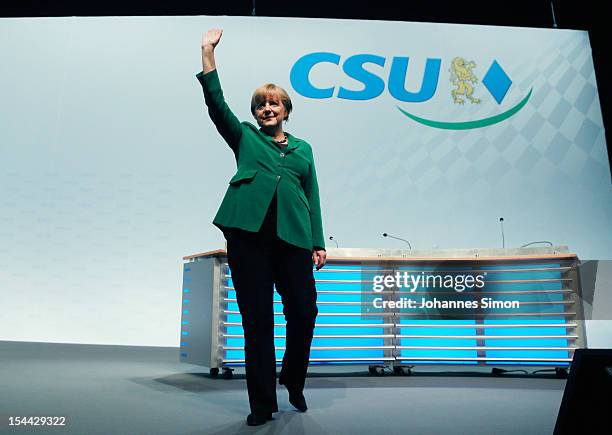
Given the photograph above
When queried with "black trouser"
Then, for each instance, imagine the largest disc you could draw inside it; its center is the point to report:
(257, 262)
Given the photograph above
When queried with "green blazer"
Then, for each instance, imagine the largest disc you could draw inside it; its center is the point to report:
(262, 169)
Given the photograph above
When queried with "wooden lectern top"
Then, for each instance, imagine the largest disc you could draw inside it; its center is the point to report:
(478, 254)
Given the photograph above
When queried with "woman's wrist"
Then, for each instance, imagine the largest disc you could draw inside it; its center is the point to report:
(208, 58)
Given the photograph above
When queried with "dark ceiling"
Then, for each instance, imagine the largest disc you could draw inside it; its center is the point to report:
(534, 13)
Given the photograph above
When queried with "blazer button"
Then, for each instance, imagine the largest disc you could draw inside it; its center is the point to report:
(282, 154)
(278, 177)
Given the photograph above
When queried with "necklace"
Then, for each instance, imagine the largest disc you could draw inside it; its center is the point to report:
(283, 140)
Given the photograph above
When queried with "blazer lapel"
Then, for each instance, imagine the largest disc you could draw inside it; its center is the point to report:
(293, 143)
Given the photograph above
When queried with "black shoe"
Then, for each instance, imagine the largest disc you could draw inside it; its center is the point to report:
(296, 398)
(254, 419)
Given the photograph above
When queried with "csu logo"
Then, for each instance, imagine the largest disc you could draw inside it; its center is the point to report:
(461, 75)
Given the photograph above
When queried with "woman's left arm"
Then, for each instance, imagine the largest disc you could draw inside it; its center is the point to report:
(311, 189)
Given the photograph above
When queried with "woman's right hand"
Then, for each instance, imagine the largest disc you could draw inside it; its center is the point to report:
(211, 38)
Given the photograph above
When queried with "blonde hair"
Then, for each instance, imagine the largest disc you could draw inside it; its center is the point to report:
(267, 89)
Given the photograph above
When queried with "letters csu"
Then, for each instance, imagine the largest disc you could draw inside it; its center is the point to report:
(373, 85)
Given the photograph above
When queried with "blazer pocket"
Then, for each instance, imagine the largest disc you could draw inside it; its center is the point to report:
(243, 176)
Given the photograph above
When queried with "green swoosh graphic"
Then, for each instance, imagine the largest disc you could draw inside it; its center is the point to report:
(466, 125)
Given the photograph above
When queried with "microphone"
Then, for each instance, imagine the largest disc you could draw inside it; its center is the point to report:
(333, 240)
(501, 222)
(533, 243)
(398, 238)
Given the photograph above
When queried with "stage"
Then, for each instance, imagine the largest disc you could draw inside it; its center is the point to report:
(146, 390)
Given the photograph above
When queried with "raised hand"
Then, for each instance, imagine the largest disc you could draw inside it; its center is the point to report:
(211, 38)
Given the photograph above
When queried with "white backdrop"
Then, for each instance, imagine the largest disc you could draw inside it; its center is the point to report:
(112, 171)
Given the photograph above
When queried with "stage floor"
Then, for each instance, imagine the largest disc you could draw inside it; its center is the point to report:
(145, 390)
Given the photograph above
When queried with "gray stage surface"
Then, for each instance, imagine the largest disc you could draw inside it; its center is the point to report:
(145, 390)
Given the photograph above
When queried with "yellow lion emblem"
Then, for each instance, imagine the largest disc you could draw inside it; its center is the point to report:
(461, 75)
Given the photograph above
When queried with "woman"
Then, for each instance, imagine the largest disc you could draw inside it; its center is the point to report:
(271, 219)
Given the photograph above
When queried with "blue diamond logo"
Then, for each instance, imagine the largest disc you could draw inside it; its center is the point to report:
(497, 82)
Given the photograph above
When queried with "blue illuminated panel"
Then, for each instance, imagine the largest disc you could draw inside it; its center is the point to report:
(541, 332)
(341, 309)
(533, 289)
(549, 280)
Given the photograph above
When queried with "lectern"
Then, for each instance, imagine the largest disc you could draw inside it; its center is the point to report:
(545, 330)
